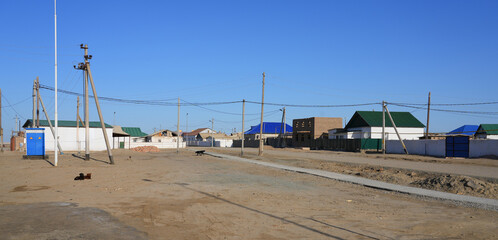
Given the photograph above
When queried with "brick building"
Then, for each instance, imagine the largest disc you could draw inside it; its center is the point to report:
(308, 129)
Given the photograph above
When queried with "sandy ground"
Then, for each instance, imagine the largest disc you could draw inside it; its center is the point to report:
(182, 196)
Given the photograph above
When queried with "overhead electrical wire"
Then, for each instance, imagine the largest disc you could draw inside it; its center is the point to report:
(446, 110)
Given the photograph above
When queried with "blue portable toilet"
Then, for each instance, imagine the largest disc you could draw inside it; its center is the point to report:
(35, 141)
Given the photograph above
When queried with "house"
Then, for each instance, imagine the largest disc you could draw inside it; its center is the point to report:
(135, 133)
(68, 137)
(270, 129)
(464, 130)
(487, 131)
(162, 136)
(120, 139)
(368, 125)
(191, 136)
(306, 130)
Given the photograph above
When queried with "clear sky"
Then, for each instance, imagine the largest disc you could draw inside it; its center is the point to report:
(313, 52)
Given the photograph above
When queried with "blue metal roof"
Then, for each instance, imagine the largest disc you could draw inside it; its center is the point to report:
(269, 128)
(465, 130)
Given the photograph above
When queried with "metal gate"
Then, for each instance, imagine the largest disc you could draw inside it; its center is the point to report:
(457, 146)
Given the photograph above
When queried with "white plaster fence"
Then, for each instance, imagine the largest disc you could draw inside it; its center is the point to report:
(156, 144)
(217, 143)
(437, 148)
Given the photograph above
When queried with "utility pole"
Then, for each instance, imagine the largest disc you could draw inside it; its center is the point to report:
(243, 114)
(285, 131)
(17, 126)
(260, 153)
(78, 124)
(396, 129)
(383, 127)
(1, 129)
(212, 130)
(186, 130)
(34, 104)
(178, 129)
(37, 103)
(87, 117)
(428, 112)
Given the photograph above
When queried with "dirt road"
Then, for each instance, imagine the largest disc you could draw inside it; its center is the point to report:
(181, 196)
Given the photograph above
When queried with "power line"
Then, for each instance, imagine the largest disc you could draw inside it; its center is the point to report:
(449, 104)
(446, 110)
(314, 105)
(11, 106)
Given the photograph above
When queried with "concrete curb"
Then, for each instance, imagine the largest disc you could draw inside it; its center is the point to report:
(478, 202)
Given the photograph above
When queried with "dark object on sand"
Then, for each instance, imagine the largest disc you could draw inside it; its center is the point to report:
(82, 176)
(200, 152)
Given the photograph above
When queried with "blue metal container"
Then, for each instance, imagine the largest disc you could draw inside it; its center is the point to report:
(35, 141)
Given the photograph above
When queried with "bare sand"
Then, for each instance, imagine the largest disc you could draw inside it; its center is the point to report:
(182, 196)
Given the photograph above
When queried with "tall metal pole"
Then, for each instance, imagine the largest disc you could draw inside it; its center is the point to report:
(260, 153)
(78, 124)
(87, 117)
(56, 118)
(1, 129)
(383, 127)
(178, 129)
(102, 124)
(243, 115)
(34, 103)
(396, 129)
(428, 113)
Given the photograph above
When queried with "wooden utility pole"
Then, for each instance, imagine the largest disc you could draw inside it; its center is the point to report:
(87, 117)
(102, 124)
(178, 129)
(260, 153)
(1, 129)
(243, 114)
(37, 103)
(285, 131)
(34, 104)
(428, 112)
(212, 130)
(383, 127)
(396, 129)
(186, 130)
(78, 124)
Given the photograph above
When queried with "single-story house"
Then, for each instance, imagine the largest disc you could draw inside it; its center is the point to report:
(270, 129)
(135, 133)
(120, 139)
(162, 136)
(487, 131)
(464, 130)
(68, 138)
(191, 136)
(368, 125)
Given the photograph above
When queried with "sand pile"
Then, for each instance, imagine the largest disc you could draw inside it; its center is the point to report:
(146, 149)
(458, 185)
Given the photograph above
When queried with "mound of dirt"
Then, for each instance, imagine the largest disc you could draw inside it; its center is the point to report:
(458, 185)
(146, 149)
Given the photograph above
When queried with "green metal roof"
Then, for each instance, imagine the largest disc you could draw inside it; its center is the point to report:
(490, 129)
(134, 131)
(64, 123)
(374, 119)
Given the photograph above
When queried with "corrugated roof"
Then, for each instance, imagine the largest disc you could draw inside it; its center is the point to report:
(374, 119)
(134, 131)
(269, 128)
(465, 129)
(118, 131)
(490, 129)
(64, 123)
(195, 132)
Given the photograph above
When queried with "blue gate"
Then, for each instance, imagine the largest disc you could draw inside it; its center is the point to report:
(457, 146)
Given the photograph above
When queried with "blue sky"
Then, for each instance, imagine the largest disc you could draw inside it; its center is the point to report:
(313, 52)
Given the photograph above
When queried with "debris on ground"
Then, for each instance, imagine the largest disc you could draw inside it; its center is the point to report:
(146, 149)
(458, 185)
(82, 176)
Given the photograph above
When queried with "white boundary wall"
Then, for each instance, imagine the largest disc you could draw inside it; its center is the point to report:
(479, 148)
(436, 148)
(67, 139)
(156, 144)
(217, 143)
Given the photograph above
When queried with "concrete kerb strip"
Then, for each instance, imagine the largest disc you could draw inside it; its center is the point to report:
(470, 200)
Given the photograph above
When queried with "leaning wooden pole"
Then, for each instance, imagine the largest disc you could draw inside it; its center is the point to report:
(50, 125)
(396, 129)
(260, 153)
(109, 152)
